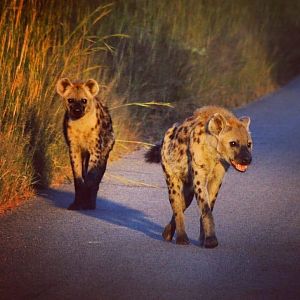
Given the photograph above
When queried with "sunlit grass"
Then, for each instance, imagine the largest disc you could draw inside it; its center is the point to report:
(143, 104)
(40, 44)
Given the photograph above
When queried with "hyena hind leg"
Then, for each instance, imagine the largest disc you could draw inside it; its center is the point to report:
(170, 228)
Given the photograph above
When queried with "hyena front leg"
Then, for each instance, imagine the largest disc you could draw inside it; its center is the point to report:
(207, 226)
(77, 169)
(94, 174)
(214, 184)
(169, 230)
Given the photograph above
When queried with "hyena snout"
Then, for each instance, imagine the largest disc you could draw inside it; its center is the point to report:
(77, 110)
(247, 160)
(244, 157)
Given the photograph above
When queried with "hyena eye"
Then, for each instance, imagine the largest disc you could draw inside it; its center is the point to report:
(84, 101)
(233, 144)
(70, 100)
(249, 144)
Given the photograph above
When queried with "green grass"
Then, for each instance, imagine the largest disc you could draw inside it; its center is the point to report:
(187, 53)
(198, 52)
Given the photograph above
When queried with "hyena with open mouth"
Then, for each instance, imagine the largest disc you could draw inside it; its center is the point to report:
(195, 156)
(89, 134)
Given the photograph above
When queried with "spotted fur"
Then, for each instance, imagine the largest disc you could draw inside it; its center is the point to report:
(195, 156)
(89, 135)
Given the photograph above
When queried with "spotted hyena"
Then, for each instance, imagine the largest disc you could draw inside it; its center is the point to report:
(89, 134)
(195, 156)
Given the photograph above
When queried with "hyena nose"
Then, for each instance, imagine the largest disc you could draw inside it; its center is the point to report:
(247, 160)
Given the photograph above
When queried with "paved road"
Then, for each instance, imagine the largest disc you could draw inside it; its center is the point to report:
(116, 252)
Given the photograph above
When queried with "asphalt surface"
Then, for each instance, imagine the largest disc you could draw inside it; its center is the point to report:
(117, 252)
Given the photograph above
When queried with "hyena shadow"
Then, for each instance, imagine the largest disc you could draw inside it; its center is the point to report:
(111, 212)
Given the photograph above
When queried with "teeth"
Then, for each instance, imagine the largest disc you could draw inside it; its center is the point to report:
(241, 168)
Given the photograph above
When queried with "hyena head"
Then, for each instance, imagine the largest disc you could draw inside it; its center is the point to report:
(78, 96)
(234, 140)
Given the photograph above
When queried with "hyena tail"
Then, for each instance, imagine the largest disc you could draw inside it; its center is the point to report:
(153, 155)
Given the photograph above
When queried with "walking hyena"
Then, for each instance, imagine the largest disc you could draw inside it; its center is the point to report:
(89, 135)
(195, 156)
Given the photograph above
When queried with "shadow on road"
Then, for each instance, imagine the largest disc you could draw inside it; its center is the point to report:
(111, 212)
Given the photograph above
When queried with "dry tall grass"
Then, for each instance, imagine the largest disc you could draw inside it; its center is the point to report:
(40, 42)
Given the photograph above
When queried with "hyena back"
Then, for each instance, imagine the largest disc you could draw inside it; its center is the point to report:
(195, 156)
(89, 135)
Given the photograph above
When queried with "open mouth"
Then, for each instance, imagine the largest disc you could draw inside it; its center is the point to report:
(239, 167)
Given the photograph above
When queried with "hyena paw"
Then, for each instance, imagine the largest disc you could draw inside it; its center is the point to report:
(210, 242)
(87, 206)
(201, 239)
(168, 233)
(75, 206)
(82, 206)
(182, 240)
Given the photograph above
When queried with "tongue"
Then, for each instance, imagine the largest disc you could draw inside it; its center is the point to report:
(239, 167)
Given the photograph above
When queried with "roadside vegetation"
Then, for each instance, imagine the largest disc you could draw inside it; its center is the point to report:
(144, 53)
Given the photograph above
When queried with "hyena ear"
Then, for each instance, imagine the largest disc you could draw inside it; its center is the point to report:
(216, 124)
(245, 121)
(62, 85)
(92, 86)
